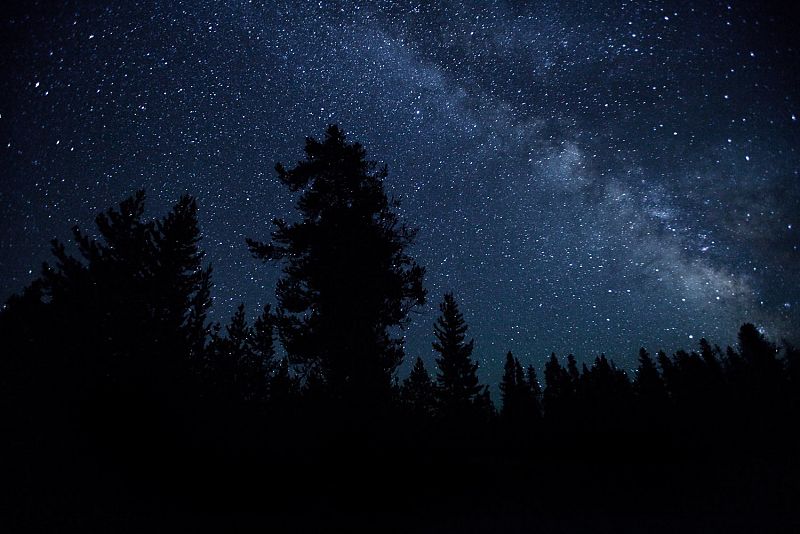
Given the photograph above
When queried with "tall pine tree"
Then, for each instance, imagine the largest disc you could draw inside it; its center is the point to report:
(348, 280)
(457, 387)
(417, 392)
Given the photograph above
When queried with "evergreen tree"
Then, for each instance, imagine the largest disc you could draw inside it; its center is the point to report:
(710, 356)
(283, 387)
(509, 387)
(118, 322)
(535, 393)
(232, 366)
(668, 372)
(457, 387)
(607, 395)
(197, 328)
(572, 371)
(418, 391)
(348, 280)
(179, 278)
(514, 390)
(558, 390)
(762, 385)
(792, 360)
(262, 351)
(649, 386)
(484, 407)
(142, 288)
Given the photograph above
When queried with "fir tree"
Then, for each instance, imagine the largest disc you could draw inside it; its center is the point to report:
(417, 392)
(557, 391)
(457, 387)
(534, 392)
(509, 386)
(514, 390)
(649, 385)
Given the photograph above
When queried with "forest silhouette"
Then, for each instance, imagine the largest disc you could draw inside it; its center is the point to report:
(126, 409)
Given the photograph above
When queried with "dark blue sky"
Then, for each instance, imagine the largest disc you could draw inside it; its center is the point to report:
(587, 177)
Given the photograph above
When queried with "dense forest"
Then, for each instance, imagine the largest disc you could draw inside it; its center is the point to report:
(126, 409)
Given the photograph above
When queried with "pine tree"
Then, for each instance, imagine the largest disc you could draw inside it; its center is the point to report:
(649, 386)
(348, 280)
(509, 387)
(710, 357)
(417, 392)
(534, 392)
(572, 371)
(484, 407)
(142, 288)
(283, 387)
(764, 384)
(123, 316)
(234, 360)
(514, 390)
(262, 349)
(668, 372)
(557, 391)
(457, 387)
(197, 328)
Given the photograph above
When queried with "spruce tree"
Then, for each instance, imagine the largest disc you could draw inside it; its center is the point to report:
(457, 387)
(649, 386)
(509, 387)
(235, 362)
(262, 352)
(534, 393)
(347, 278)
(557, 391)
(417, 392)
(514, 390)
(140, 285)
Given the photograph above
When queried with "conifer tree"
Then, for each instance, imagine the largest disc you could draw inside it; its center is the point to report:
(535, 393)
(283, 387)
(514, 390)
(649, 385)
(234, 360)
(417, 392)
(509, 386)
(262, 351)
(348, 280)
(457, 387)
(142, 287)
(668, 372)
(557, 391)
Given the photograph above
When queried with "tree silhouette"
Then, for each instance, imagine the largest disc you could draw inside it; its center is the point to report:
(652, 399)
(113, 333)
(141, 289)
(535, 394)
(347, 277)
(417, 392)
(457, 387)
(558, 391)
(515, 390)
(606, 395)
(261, 365)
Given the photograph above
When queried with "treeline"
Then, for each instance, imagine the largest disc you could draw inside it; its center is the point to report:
(112, 352)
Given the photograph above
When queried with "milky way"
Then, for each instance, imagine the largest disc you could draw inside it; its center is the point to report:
(586, 176)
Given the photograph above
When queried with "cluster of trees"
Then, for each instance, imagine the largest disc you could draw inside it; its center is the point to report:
(118, 339)
(131, 313)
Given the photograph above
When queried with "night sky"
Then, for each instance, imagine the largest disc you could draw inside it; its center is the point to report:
(586, 176)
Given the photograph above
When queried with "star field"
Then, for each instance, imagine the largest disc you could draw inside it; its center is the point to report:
(586, 177)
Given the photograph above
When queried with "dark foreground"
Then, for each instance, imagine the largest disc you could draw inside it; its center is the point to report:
(383, 479)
